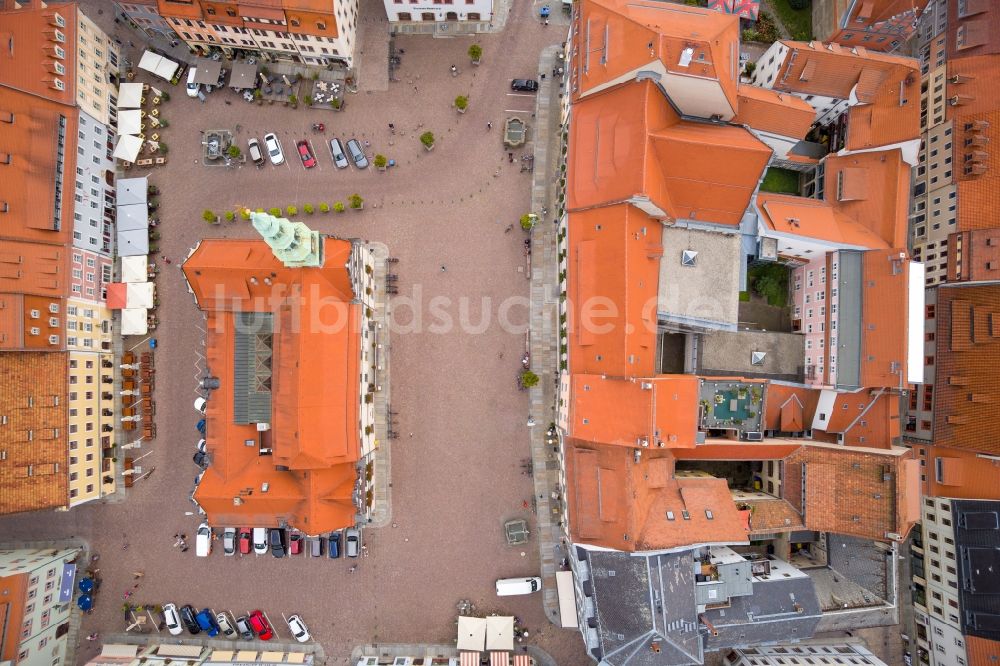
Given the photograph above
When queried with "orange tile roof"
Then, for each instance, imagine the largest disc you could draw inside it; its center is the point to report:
(644, 34)
(612, 290)
(974, 255)
(774, 449)
(624, 412)
(884, 318)
(33, 396)
(802, 216)
(979, 27)
(978, 195)
(15, 592)
(773, 515)
(30, 53)
(968, 352)
(618, 503)
(981, 651)
(964, 474)
(629, 142)
(315, 364)
(866, 418)
(884, 205)
(772, 111)
(789, 408)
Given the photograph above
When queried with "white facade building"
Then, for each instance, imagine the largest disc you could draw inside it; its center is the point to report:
(442, 18)
(94, 194)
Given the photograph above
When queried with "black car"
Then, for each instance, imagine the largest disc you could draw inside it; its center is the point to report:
(276, 538)
(524, 85)
(333, 547)
(200, 459)
(188, 618)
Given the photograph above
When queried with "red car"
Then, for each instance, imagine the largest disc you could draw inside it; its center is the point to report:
(308, 161)
(260, 625)
(295, 540)
(244, 540)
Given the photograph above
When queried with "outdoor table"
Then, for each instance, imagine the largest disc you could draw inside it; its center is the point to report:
(155, 112)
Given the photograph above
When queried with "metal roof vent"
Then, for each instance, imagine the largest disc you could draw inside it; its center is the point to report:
(689, 257)
(757, 357)
(686, 55)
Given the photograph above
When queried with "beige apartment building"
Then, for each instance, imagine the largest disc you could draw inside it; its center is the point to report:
(97, 58)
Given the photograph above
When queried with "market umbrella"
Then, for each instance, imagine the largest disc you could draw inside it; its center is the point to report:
(86, 585)
(85, 602)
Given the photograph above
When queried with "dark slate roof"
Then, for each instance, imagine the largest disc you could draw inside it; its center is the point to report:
(646, 611)
(252, 352)
(780, 609)
(977, 544)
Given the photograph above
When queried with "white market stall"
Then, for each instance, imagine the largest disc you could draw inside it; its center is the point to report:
(154, 63)
(135, 269)
(133, 243)
(133, 216)
(129, 96)
(128, 147)
(134, 321)
(500, 632)
(139, 295)
(130, 121)
(471, 633)
(131, 191)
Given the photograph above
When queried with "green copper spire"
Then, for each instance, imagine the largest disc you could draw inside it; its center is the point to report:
(295, 244)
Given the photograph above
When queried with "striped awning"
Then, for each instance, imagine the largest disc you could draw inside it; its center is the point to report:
(499, 658)
(522, 660)
(469, 659)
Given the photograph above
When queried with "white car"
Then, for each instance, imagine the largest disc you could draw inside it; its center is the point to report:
(229, 541)
(192, 88)
(172, 619)
(274, 149)
(298, 629)
(200, 404)
(226, 626)
(203, 541)
(260, 540)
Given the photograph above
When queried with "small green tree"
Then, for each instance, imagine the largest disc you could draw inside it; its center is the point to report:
(165, 96)
(276, 212)
(528, 379)
(308, 100)
(162, 148)
(324, 207)
(338, 206)
(461, 102)
(528, 221)
(291, 211)
(209, 216)
(308, 208)
(336, 103)
(475, 53)
(356, 201)
(234, 151)
(230, 216)
(427, 138)
(245, 213)
(380, 161)
(293, 100)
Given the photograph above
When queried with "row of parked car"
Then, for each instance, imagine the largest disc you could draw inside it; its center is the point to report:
(276, 154)
(261, 540)
(246, 627)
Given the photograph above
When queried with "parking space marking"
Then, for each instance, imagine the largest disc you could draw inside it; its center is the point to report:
(516, 94)
(518, 110)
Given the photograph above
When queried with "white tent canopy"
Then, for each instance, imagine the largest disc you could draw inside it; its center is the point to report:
(128, 147)
(139, 295)
(131, 191)
(134, 321)
(129, 96)
(158, 65)
(130, 122)
(500, 632)
(135, 269)
(132, 243)
(132, 217)
(471, 633)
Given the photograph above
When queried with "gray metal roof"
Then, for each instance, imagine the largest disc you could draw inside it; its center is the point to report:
(780, 609)
(849, 333)
(252, 367)
(977, 544)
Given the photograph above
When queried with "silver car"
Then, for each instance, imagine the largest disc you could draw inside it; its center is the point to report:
(274, 149)
(357, 155)
(337, 153)
(352, 542)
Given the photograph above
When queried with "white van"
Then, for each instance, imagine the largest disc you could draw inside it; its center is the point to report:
(192, 88)
(203, 541)
(507, 587)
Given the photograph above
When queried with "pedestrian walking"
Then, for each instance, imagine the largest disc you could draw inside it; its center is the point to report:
(443, 269)
(489, 126)
(166, 259)
(137, 575)
(510, 157)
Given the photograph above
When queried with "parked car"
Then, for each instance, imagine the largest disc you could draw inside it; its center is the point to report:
(305, 154)
(352, 541)
(274, 151)
(260, 540)
(333, 545)
(172, 619)
(295, 540)
(200, 404)
(260, 625)
(200, 458)
(229, 541)
(202, 446)
(243, 626)
(245, 539)
(298, 629)
(524, 85)
(315, 548)
(187, 616)
(201, 426)
(277, 541)
(203, 541)
(206, 621)
(192, 88)
(357, 155)
(255, 152)
(512, 586)
(226, 625)
(337, 153)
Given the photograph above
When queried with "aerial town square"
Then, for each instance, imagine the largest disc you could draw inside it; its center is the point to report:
(499, 332)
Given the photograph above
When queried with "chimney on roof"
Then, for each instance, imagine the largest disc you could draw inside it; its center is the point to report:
(711, 627)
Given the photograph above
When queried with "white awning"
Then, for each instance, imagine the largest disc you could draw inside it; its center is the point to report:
(499, 632)
(170, 650)
(131, 191)
(567, 598)
(128, 147)
(471, 633)
(130, 122)
(133, 242)
(139, 295)
(135, 269)
(119, 650)
(134, 321)
(129, 96)
(158, 65)
(132, 217)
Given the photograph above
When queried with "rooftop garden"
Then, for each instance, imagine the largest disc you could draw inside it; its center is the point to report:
(781, 181)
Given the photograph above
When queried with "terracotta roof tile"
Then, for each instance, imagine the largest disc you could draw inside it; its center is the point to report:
(974, 255)
(978, 195)
(976, 32)
(772, 515)
(963, 473)
(789, 408)
(772, 111)
(981, 651)
(33, 399)
(884, 318)
(31, 41)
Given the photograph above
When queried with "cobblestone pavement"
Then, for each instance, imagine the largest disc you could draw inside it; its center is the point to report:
(458, 477)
